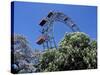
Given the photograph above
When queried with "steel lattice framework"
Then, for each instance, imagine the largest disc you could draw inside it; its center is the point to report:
(47, 37)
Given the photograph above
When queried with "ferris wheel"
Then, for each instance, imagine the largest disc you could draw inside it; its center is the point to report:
(47, 35)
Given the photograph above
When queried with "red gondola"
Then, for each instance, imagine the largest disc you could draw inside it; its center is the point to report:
(41, 40)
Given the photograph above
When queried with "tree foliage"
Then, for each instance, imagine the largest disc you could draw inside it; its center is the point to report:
(76, 51)
(23, 55)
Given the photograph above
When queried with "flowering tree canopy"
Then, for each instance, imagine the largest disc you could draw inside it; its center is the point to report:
(75, 51)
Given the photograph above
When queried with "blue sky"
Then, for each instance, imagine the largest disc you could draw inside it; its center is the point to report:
(27, 16)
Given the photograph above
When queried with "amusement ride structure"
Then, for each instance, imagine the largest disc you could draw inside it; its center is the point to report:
(47, 37)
